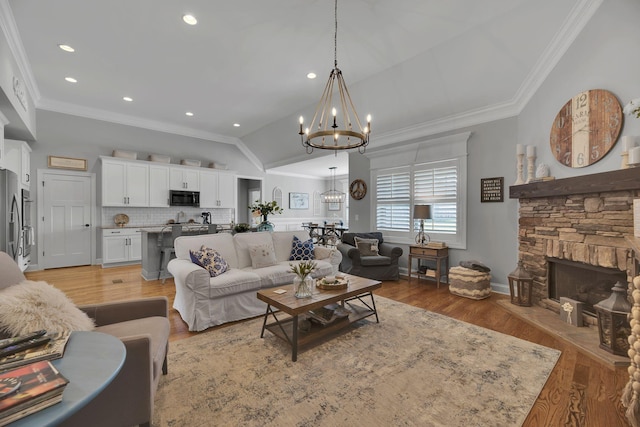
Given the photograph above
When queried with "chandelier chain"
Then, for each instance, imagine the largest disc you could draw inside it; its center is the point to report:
(335, 36)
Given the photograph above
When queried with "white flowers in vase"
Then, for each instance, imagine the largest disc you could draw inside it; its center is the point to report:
(568, 308)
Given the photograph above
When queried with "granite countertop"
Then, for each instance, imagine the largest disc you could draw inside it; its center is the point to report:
(158, 227)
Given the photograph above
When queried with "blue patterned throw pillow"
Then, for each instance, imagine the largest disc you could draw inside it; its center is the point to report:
(301, 250)
(210, 260)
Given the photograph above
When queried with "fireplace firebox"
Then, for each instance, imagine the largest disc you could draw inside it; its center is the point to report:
(581, 282)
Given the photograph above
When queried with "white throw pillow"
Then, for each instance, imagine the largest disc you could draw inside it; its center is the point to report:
(263, 255)
(30, 306)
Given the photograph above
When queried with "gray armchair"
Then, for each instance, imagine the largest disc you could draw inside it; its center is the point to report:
(142, 325)
(383, 266)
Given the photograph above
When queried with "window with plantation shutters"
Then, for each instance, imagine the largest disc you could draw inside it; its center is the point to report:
(430, 172)
(437, 185)
(393, 200)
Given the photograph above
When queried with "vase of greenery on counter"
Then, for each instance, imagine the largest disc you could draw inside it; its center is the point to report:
(265, 209)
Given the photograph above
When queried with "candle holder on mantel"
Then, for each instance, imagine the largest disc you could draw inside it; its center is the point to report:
(520, 170)
(531, 163)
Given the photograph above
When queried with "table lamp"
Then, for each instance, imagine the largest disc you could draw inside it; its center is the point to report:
(422, 212)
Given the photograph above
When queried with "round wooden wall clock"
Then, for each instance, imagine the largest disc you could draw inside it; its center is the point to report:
(358, 189)
(586, 128)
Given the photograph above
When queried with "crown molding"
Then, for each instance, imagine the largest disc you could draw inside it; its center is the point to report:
(10, 30)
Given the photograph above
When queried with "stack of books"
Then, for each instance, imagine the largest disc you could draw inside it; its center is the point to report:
(29, 389)
(436, 245)
(26, 349)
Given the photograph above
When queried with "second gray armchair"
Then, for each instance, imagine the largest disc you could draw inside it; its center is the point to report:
(362, 261)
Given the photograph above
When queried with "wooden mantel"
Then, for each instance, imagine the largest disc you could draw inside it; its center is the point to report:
(618, 180)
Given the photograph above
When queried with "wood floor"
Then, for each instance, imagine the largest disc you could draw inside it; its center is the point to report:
(579, 392)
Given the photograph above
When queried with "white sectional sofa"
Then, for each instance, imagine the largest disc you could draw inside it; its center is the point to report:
(204, 301)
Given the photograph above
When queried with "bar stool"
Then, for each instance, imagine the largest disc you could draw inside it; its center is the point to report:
(165, 242)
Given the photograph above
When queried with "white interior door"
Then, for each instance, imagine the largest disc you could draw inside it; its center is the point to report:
(66, 220)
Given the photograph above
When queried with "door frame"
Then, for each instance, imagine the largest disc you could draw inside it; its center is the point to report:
(40, 207)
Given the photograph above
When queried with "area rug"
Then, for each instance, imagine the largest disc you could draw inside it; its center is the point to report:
(414, 368)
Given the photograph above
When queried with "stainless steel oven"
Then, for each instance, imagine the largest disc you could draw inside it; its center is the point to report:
(28, 238)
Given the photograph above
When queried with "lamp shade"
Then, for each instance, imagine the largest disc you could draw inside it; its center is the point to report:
(422, 212)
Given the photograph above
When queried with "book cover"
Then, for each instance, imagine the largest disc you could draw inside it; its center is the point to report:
(38, 381)
(54, 349)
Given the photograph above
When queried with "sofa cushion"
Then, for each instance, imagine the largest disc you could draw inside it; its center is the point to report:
(301, 250)
(210, 260)
(370, 261)
(221, 242)
(242, 241)
(234, 281)
(156, 327)
(349, 237)
(262, 255)
(30, 306)
(367, 247)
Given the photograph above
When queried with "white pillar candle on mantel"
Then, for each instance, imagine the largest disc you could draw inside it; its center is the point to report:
(634, 156)
(531, 150)
(520, 149)
(628, 142)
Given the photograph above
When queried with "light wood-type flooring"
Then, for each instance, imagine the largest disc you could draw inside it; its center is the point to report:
(579, 392)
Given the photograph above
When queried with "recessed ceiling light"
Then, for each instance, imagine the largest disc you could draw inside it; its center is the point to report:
(189, 113)
(311, 76)
(127, 98)
(237, 125)
(71, 80)
(66, 48)
(190, 19)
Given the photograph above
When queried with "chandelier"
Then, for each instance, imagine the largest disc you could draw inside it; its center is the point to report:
(333, 195)
(326, 134)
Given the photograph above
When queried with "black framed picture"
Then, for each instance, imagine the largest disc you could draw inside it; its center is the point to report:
(298, 200)
(492, 189)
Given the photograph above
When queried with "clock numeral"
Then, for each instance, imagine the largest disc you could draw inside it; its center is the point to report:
(581, 102)
(595, 153)
(560, 122)
(567, 158)
(580, 159)
(614, 121)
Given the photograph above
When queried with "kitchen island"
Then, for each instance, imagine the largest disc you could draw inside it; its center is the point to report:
(154, 239)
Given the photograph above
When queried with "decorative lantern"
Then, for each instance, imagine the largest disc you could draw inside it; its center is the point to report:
(520, 284)
(613, 324)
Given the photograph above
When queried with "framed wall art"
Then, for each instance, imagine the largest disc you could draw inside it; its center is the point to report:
(298, 200)
(57, 162)
(492, 189)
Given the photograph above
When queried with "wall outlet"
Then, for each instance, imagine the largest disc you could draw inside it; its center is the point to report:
(357, 217)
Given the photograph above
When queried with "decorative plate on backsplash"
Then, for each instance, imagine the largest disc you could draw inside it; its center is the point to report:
(121, 220)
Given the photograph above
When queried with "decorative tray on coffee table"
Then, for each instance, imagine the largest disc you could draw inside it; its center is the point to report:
(337, 282)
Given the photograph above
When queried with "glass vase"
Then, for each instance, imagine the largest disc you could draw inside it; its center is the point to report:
(303, 286)
(265, 225)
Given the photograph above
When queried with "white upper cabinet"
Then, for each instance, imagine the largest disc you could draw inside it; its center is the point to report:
(184, 179)
(158, 186)
(217, 189)
(18, 160)
(124, 183)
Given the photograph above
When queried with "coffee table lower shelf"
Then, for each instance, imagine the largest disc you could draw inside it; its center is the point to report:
(283, 329)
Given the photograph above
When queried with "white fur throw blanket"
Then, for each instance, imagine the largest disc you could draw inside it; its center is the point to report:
(30, 306)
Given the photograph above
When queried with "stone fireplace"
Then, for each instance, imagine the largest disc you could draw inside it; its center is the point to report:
(582, 221)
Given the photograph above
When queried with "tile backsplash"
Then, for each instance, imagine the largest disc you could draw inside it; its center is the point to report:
(158, 216)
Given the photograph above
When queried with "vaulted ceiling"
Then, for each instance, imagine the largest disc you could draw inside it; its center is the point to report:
(431, 65)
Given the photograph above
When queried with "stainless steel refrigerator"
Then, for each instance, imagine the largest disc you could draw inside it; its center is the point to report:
(10, 221)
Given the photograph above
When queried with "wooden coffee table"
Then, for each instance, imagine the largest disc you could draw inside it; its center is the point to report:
(352, 298)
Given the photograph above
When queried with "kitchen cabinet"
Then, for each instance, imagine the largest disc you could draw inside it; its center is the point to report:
(184, 179)
(121, 246)
(18, 160)
(158, 186)
(217, 189)
(124, 183)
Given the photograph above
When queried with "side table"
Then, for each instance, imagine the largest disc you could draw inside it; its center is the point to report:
(90, 362)
(438, 255)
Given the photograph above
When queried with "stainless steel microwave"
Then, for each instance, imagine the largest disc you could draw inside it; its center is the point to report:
(184, 198)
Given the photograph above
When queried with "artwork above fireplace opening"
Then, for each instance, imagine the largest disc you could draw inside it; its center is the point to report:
(581, 282)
